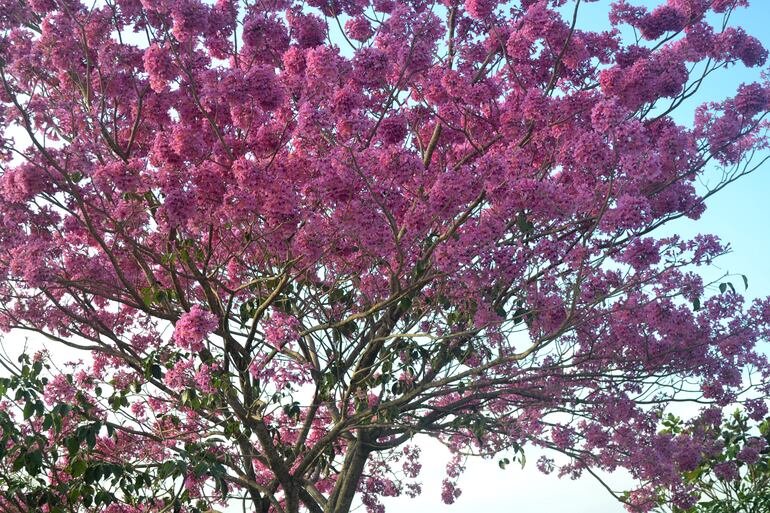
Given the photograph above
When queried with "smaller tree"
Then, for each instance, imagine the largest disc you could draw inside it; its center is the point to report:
(51, 454)
(733, 476)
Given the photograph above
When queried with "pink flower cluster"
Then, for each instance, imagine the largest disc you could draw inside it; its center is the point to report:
(193, 327)
(280, 329)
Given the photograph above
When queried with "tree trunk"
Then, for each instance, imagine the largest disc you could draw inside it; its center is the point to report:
(344, 491)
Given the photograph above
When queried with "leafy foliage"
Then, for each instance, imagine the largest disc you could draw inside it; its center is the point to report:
(734, 477)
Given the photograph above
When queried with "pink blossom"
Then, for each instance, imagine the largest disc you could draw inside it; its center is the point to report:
(193, 327)
(449, 492)
(281, 329)
(480, 9)
(203, 379)
(752, 99)
(750, 452)
(608, 114)
(370, 66)
(663, 19)
(190, 19)
(179, 376)
(309, 29)
(392, 129)
(726, 471)
(359, 28)
(160, 68)
(60, 390)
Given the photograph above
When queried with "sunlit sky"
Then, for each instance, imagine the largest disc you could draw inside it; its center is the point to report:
(739, 214)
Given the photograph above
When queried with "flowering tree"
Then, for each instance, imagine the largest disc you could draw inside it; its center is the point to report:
(734, 474)
(293, 236)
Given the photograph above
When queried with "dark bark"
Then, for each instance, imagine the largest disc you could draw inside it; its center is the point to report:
(344, 491)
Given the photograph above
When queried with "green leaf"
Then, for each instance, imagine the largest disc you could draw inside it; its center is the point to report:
(91, 436)
(18, 463)
(87, 498)
(73, 445)
(147, 294)
(77, 467)
(29, 408)
(92, 474)
(74, 492)
(160, 296)
(33, 462)
(47, 422)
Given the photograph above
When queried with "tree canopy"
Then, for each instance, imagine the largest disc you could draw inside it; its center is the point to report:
(282, 239)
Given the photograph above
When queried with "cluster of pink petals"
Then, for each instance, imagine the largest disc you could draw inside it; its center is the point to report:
(193, 327)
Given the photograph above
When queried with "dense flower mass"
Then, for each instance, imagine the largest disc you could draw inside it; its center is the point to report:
(294, 235)
(192, 328)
